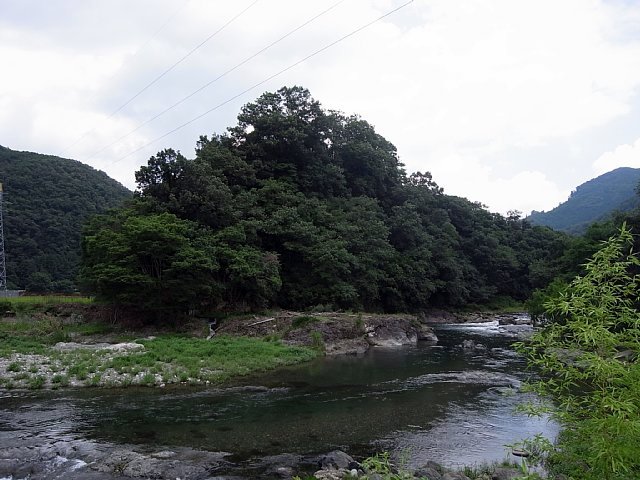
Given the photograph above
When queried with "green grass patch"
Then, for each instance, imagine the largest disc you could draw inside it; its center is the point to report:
(148, 379)
(37, 303)
(172, 358)
(317, 341)
(61, 380)
(11, 344)
(14, 367)
(90, 328)
(213, 360)
(36, 383)
(47, 299)
(34, 336)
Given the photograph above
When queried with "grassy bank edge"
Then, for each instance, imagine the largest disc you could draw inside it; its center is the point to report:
(29, 359)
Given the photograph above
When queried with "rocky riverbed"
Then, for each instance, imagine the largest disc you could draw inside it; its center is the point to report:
(339, 333)
(43, 458)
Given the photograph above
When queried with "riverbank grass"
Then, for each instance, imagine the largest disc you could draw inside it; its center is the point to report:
(182, 359)
(29, 357)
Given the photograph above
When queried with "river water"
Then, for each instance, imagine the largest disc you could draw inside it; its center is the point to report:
(425, 402)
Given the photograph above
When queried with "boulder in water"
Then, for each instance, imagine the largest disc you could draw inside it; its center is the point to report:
(470, 345)
(426, 334)
(519, 319)
(391, 335)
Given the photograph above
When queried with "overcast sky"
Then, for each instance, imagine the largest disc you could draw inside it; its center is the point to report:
(510, 103)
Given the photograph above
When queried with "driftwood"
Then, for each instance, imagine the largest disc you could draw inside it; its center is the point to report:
(261, 321)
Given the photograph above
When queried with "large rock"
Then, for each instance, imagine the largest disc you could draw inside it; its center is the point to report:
(331, 474)
(426, 334)
(428, 472)
(455, 476)
(478, 318)
(391, 335)
(347, 346)
(439, 317)
(281, 466)
(502, 473)
(337, 460)
(127, 463)
(514, 319)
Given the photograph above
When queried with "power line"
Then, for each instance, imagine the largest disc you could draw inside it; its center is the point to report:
(161, 27)
(138, 50)
(208, 84)
(262, 82)
(174, 65)
(191, 52)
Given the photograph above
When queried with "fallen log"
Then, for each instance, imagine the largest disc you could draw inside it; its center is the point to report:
(261, 321)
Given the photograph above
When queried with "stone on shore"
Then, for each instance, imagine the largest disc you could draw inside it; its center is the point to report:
(337, 460)
(454, 476)
(426, 333)
(431, 470)
(503, 473)
(391, 335)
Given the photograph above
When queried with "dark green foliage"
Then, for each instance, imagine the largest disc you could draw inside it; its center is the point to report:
(593, 201)
(153, 261)
(299, 207)
(47, 199)
(589, 361)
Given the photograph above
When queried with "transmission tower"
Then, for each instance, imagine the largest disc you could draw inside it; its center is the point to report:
(3, 265)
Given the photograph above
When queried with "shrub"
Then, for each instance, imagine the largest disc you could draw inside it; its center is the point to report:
(588, 360)
(317, 342)
(14, 367)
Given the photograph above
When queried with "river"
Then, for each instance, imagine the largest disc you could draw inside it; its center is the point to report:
(424, 402)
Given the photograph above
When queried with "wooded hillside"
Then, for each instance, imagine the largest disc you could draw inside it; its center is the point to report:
(47, 199)
(299, 207)
(593, 201)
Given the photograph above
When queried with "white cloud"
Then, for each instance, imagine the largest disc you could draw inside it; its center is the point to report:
(525, 191)
(453, 85)
(627, 155)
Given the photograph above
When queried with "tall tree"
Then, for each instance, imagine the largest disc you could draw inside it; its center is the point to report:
(155, 262)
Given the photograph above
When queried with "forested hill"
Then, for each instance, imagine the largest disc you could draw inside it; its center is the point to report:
(593, 201)
(299, 207)
(47, 199)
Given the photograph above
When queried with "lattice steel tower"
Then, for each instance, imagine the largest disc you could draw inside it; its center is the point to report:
(3, 265)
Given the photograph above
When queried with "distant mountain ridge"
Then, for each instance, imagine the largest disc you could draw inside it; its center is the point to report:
(593, 201)
(46, 202)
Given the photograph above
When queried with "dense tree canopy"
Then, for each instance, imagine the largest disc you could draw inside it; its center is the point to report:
(303, 207)
(46, 201)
